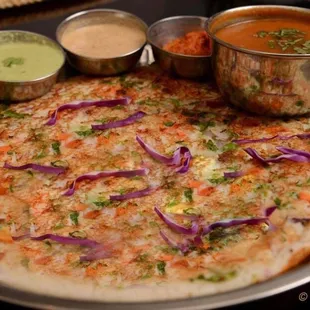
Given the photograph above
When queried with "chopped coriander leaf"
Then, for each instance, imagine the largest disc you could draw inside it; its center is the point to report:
(161, 267)
(10, 61)
(211, 146)
(102, 203)
(175, 102)
(80, 234)
(56, 147)
(142, 258)
(29, 172)
(84, 133)
(230, 147)
(153, 224)
(204, 125)
(191, 211)
(25, 262)
(60, 163)
(11, 188)
(172, 203)
(74, 217)
(218, 180)
(12, 114)
(218, 277)
(278, 202)
(188, 193)
(41, 154)
(271, 44)
(122, 191)
(261, 34)
(58, 226)
(169, 124)
(299, 103)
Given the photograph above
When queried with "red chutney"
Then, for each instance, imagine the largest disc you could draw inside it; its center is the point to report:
(195, 43)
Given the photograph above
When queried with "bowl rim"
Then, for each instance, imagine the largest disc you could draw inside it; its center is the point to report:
(86, 12)
(177, 17)
(249, 51)
(45, 77)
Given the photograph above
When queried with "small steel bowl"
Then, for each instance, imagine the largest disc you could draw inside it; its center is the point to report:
(168, 29)
(27, 90)
(260, 82)
(101, 66)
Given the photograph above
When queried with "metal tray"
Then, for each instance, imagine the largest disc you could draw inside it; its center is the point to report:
(287, 281)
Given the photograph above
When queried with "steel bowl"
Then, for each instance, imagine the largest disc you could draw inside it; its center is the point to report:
(168, 29)
(27, 90)
(101, 66)
(263, 83)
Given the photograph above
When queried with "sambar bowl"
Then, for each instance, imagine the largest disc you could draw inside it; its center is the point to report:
(101, 66)
(21, 89)
(168, 29)
(261, 82)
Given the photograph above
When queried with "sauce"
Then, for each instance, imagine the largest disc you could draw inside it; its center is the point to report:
(195, 43)
(28, 61)
(104, 40)
(288, 36)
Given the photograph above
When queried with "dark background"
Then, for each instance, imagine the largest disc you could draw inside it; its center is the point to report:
(44, 18)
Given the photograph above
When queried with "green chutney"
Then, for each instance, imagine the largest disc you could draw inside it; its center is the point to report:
(21, 61)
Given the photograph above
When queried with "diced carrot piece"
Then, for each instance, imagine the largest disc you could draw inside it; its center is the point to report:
(255, 170)
(92, 214)
(5, 148)
(2, 190)
(180, 263)
(5, 235)
(43, 260)
(63, 136)
(90, 271)
(166, 257)
(205, 191)
(74, 144)
(181, 133)
(276, 129)
(194, 184)
(234, 188)
(304, 196)
(80, 207)
(102, 140)
(121, 211)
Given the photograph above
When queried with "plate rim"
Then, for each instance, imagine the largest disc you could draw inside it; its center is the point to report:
(279, 284)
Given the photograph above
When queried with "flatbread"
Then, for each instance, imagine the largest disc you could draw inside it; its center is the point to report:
(11, 3)
(139, 264)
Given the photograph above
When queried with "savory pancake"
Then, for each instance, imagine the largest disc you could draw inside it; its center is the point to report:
(230, 210)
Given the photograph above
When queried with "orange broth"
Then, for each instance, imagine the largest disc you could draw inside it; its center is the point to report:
(286, 36)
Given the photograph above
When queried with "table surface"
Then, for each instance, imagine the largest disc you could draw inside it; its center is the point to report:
(44, 18)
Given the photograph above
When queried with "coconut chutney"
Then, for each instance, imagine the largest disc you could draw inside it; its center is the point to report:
(104, 40)
(21, 61)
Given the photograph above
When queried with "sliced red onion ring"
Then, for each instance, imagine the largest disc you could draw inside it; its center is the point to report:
(177, 227)
(232, 175)
(246, 141)
(286, 150)
(234, 222)
(103, 174)
(67, 240)
(180, 159)
(269, 211)
(303, 221)
(280, 81)
(40, 168)
(136, 194)
(22, 237)
(121, 123)
(293, 157)
(98, 252)
(75, 105)
(183, 247)
(60, 239)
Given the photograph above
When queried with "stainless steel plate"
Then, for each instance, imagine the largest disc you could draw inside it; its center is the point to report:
(287, 281)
